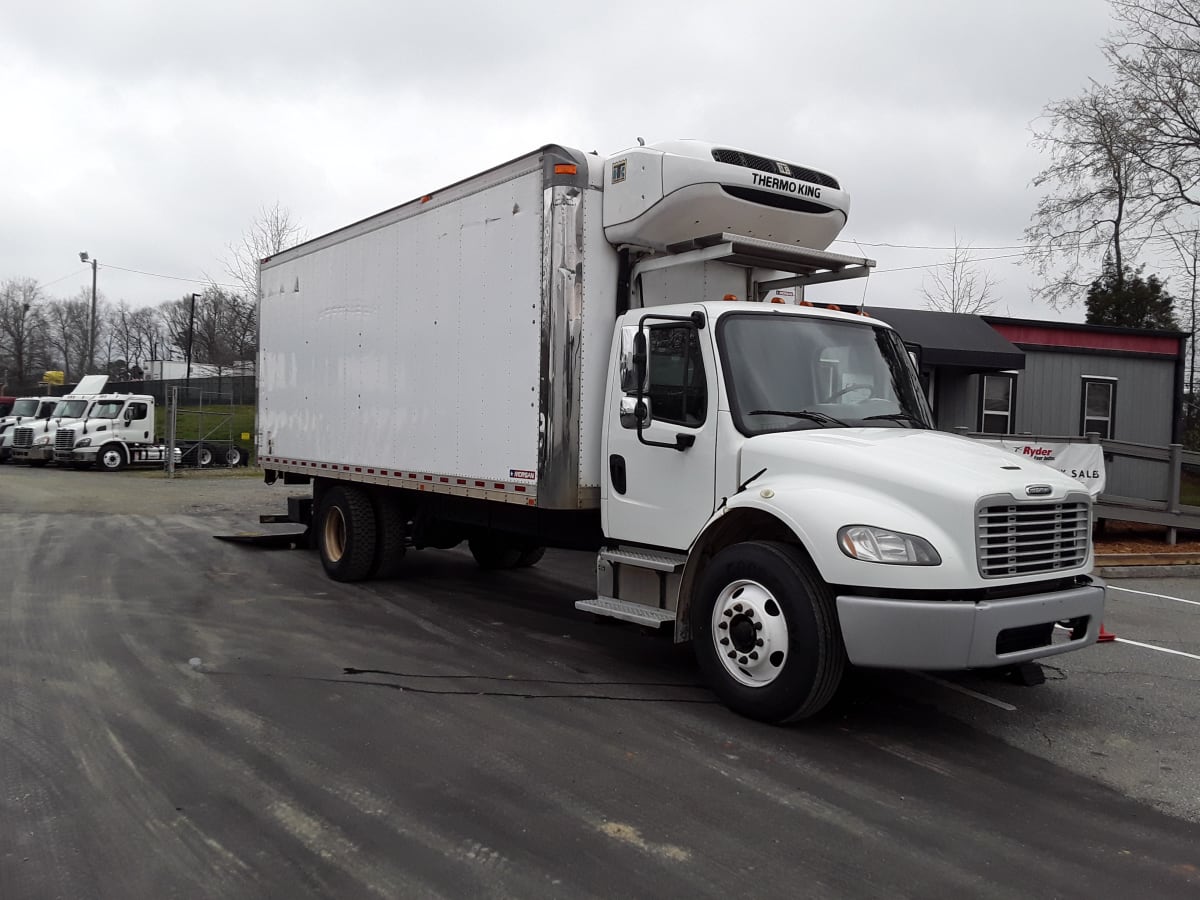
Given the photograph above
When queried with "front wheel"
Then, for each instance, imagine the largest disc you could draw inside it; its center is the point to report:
(111, 458)
(765, 632)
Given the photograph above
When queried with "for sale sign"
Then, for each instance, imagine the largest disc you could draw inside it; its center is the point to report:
(1083, 462)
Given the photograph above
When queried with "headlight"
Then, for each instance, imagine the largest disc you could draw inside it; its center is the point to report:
(871, 544)
(43, 440)
(84, 442)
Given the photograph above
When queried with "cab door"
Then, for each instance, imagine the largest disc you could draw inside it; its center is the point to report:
(659, 478)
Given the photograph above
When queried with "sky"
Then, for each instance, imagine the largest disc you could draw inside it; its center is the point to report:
(151, 134)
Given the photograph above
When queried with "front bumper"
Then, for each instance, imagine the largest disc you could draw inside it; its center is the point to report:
(86, 455)
(28, 453)
(947, 634)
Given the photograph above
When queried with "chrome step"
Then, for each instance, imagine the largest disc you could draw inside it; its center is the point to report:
(645, 559)
(629, 612)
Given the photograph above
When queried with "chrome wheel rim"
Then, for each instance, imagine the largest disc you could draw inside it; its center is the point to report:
(750, 633)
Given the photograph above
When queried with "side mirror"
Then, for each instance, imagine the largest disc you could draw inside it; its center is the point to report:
(629, 360)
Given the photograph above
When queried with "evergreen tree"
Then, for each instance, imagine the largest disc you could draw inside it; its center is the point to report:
(1128, 299)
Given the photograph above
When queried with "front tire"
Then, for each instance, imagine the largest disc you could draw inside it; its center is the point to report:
(205, 456)
(111, 458)
(765, 632)
(346, 534)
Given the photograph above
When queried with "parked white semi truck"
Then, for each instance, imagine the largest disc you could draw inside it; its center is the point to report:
(118, 431)
(26, 410)
(33, 443)
(575, 351)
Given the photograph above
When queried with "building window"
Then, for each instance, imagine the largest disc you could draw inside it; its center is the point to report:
(997, 403)
(1098, 405)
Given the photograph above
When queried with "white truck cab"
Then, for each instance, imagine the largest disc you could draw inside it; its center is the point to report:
(27, 410)
(117, 430)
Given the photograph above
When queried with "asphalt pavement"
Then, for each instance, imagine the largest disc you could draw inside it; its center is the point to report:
(182, 717)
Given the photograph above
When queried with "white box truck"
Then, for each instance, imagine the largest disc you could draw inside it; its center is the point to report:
(575, 351)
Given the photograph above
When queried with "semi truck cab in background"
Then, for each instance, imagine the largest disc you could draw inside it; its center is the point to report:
(27, 410)
(598, 353)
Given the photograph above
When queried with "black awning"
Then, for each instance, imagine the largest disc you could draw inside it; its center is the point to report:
(953, 339)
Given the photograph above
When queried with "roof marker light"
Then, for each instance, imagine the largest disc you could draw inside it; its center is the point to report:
(729, 297)
(565, 169)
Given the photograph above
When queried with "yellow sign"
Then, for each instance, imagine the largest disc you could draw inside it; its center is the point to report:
(52, 378)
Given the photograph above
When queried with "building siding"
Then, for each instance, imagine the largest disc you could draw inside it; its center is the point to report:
(1049, 393)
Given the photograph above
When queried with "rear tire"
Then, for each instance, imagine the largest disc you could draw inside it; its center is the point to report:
(493, 553)
(765, 632)
(111, 458)
(391, 531)
(346, 534)
(235, 456)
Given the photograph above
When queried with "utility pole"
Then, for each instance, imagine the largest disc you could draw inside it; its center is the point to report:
(187, 380)
(91, 354)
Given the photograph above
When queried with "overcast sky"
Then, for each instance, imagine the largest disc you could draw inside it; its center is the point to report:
(149, 134)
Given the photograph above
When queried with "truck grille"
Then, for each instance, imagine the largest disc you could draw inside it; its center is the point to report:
(762, 164)
(23, 438)
(64, 439)
(1024, 539)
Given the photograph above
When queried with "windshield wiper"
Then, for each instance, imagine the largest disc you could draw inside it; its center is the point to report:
(818, 417)
(899, 417)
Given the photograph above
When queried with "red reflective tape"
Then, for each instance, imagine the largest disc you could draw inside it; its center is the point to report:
(498, 487)
(429, 478)
(520, 488)
(461, 481)
(358, 468)
(480, 484)
(444, 480)
(370, 471)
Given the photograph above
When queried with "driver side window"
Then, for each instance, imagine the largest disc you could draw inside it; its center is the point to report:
(678, 392)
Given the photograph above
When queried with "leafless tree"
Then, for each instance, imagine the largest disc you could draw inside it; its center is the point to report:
(67, 333)
(958, 285)
(21, 327)
(1098, 193)
(271, 231)
(1155, 58)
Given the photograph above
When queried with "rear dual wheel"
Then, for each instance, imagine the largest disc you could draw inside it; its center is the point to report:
(346, 534)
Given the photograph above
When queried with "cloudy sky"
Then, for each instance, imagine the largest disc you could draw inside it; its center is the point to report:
(150, 134)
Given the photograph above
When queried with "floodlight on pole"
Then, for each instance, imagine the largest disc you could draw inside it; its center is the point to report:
(91, 354)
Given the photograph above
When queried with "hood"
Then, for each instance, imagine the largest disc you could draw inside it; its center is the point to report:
(925, 461)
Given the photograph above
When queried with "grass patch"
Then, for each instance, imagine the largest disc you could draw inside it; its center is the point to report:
(210, 422)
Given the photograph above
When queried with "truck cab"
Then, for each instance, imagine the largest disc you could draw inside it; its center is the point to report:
(110, 434)
(26, 410)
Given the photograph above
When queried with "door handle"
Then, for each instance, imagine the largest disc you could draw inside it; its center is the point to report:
(616, 473)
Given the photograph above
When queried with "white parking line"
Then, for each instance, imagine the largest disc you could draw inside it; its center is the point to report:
(1112, 587)
(1122, 640)
(962, 690)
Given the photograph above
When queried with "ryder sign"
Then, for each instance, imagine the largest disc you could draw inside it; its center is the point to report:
(1083, 462)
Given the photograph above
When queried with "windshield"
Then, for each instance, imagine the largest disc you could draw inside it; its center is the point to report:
(24, 408)
(70, 409)
(108, 409)
(788, 372)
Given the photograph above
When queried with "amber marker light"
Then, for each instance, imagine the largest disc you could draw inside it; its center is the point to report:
(565, 169)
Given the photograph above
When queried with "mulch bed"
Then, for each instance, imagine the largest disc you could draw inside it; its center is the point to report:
(1134, 537)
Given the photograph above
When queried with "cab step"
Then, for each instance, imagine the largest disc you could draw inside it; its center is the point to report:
(645, 559)
(638, 613)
